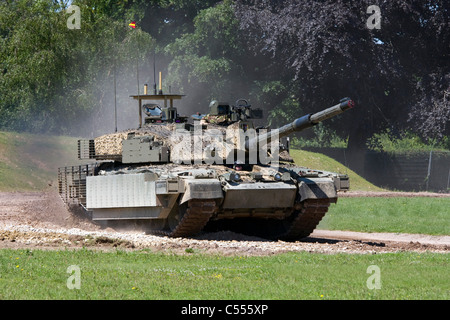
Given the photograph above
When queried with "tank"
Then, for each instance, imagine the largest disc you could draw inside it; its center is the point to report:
(177, 176)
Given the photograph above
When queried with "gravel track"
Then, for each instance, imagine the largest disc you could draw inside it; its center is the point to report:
(40, 220)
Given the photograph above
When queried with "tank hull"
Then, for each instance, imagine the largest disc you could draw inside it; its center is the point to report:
(181, 201)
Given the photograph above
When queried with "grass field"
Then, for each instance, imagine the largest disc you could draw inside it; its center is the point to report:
(30, 162)
(404, 215)
(37, 274)
(26, 274)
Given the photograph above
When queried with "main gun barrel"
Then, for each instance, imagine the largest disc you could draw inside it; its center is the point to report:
(300, 124)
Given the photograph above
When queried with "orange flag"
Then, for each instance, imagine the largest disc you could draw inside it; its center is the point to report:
(133, 24)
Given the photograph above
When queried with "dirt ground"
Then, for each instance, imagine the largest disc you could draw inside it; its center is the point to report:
(40, 220)
(393, 194)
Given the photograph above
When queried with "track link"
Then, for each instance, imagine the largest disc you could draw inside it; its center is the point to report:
(306, 219)
(198, 212)
(193, 220)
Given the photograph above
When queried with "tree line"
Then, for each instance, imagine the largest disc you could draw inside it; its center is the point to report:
(289, 57)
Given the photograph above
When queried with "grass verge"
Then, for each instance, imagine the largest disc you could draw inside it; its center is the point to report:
(405, 215)
(29, 162)
(322, 162)
(37, 274)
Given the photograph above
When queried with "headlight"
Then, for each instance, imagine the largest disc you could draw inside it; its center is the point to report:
(234, 176)
(277, 176)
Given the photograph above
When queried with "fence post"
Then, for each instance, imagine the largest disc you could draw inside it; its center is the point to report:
(448, 179)
(429, 168)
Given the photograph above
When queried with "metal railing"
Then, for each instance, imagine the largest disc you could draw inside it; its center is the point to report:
(86, 149)
(72, 183)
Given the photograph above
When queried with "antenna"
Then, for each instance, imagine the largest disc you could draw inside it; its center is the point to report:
(137, 61)
(137, 72)
(154, 71)
(115, 97)
(137, 77)
(115, 86)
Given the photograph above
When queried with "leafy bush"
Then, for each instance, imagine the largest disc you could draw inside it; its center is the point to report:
(322, 137)
(387, 141)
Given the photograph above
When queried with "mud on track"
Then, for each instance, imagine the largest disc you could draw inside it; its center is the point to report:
(40, 220)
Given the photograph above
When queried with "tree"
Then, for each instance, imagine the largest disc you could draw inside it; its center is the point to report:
(290, 57)
(53, 79)
(205, 62)
(328, 51)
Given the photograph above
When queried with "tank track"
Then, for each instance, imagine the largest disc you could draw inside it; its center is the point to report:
(194, 219)
(299, 225)
(306, 219)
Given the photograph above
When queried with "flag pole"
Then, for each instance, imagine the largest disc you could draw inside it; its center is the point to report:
(115, 96)
(154, 70)
(115, 87)
(133, 25)
(137, 69)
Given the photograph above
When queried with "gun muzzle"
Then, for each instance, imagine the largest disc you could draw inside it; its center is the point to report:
(344, 105)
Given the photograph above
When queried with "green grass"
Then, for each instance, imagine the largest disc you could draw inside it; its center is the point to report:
(319, 161)
(30, 162)
(405, 215)
(36, 274)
